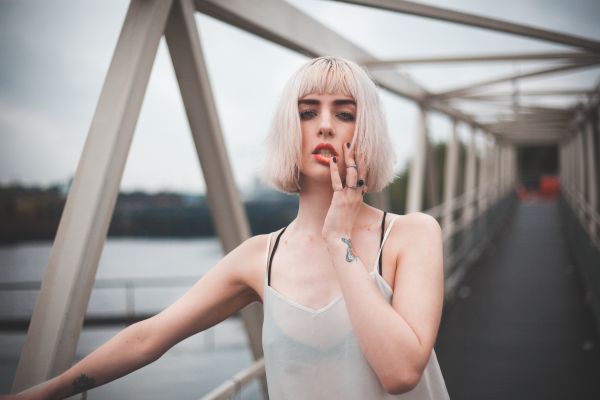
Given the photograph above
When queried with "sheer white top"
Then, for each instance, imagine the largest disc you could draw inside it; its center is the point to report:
(314, 354)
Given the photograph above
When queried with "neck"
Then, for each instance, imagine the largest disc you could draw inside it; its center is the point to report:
(314, 203)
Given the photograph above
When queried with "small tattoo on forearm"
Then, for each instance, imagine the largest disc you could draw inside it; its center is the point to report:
(83, 383)
(349, 256)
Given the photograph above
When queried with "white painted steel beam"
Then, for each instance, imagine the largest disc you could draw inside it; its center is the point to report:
(538, 140)
(282, 23)
(427, 11)
(528, 93)
(224, 199)
(533, 133)
(60, 308)
(569, 56)
(508, 78)
(509, 127)
(185, 48)
(416, 180)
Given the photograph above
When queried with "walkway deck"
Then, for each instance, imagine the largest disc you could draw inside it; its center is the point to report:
(520, 330)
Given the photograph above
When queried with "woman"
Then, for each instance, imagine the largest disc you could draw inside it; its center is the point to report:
(344, 316)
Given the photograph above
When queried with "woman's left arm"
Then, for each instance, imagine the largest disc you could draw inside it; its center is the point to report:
(396, 339)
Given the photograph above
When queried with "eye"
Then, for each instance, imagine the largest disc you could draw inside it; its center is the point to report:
(308, 114)
(346, 116)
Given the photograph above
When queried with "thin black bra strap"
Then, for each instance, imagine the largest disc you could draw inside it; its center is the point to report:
(271, 258)
(381, 242)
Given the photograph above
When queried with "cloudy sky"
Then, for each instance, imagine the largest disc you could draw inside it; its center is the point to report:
(54, 56)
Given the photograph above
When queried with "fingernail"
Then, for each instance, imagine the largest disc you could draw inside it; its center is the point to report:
(334, 159)
(348, 145)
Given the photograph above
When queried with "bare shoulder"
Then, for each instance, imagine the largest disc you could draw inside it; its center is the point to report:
(250, 259)
(415, 224)
(414, 230)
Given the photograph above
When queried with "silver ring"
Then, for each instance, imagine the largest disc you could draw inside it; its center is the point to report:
(352, 166)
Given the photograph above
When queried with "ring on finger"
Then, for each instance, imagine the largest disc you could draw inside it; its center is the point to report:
(352, 166)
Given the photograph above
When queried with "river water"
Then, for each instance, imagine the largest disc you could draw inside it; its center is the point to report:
(190, 369)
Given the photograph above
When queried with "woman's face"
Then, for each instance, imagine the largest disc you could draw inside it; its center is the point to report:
(327, 122)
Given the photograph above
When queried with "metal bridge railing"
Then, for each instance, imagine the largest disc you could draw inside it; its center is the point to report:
(236, 383)
(579, 200)
(127, 287)
(466, 238)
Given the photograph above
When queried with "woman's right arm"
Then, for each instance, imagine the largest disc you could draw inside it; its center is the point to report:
(224, 290)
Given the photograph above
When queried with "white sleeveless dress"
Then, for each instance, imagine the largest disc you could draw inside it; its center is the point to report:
(313, 354)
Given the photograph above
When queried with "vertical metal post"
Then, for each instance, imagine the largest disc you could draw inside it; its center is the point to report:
(563, 166)
(483, 179)
(61, 304)
(581, 173)
(414, 201)
(571, 164)
(510, 183)
(431, 176)
(502, 170)
(469, 179)
(592, 164)
(596, 115)
(450, 184)
(496, 171)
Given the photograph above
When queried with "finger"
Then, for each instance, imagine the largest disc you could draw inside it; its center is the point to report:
(336, 181)
(351, 173)
(362, 170)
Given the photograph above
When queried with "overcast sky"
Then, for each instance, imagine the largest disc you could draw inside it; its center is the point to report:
(54, 56)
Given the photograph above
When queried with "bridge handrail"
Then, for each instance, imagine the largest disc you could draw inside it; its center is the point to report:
(586, 212)
(234, 384)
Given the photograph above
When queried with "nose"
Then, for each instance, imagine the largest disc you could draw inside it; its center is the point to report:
(325, 126)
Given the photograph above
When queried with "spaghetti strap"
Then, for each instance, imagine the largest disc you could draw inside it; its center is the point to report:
(272, 254)
(383, 239)
(267, 252)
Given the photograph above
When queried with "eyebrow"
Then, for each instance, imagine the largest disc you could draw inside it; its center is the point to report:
(338, 102)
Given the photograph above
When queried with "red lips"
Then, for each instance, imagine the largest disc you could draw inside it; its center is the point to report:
(321, 159)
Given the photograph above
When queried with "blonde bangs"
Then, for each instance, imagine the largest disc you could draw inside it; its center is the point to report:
(326, 76)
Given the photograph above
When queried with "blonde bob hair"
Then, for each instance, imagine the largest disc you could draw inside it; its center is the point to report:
(284, 142)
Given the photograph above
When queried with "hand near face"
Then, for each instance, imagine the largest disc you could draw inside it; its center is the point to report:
(347, 199)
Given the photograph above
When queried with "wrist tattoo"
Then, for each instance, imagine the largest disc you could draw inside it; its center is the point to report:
(82, 384)
(349, 256)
